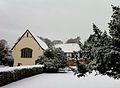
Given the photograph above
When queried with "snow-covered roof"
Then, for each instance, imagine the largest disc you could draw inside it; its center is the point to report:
(70, 47)
(38, 40)
(41, 43)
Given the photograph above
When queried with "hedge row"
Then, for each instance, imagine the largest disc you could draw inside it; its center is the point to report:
(9, 76)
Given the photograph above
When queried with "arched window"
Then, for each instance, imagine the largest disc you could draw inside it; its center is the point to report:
(26, 53)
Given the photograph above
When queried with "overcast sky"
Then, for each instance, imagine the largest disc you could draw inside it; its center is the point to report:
(53, 19)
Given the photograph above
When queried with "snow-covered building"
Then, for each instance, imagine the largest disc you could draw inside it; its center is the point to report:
(69, 50)
(27, 49)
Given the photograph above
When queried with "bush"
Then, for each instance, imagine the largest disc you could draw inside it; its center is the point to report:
(53, 59)
(17, 73)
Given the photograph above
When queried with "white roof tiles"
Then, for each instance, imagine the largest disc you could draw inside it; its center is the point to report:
(70, 47)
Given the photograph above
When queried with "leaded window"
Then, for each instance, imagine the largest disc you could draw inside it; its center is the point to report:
(26, 53)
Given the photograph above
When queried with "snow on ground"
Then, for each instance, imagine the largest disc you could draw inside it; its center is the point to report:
(65, 80)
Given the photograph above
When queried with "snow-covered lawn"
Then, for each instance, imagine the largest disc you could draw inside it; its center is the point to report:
(65, 80)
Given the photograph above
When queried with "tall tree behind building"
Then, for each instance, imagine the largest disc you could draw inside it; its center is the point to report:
(5, 54)
(47, 41)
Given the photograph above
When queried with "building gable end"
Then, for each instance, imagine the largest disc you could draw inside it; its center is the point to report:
(26, 34)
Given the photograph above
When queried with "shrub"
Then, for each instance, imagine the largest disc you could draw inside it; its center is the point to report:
(53, 59)
(12, 74)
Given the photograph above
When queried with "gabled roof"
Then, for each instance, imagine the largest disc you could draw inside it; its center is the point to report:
(70, 47)
(41, 43)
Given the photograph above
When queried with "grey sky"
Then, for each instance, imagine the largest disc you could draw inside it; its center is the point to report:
(53, 19)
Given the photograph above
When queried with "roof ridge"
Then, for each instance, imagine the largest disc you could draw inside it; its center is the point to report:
(43, 45)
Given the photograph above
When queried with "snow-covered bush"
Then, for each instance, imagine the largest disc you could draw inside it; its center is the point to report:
(11, 74)
(53, 59)
(6, 57)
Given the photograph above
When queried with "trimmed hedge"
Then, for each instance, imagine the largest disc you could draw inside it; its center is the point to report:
(9, 76)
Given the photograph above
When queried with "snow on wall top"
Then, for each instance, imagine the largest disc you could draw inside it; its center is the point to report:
(6, 68)
(70, 47)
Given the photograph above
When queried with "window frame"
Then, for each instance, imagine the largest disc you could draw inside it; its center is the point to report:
(26, 53)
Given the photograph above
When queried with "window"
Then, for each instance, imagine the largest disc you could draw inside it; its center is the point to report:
(26, 53)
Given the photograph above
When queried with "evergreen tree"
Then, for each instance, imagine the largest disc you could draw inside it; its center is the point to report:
(114, 26)
(96, 48)
(102, 51)
(114, 55)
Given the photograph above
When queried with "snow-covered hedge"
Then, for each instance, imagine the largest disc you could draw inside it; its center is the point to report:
(11, 74)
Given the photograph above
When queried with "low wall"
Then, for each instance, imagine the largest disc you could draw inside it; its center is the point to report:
(11, 74)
